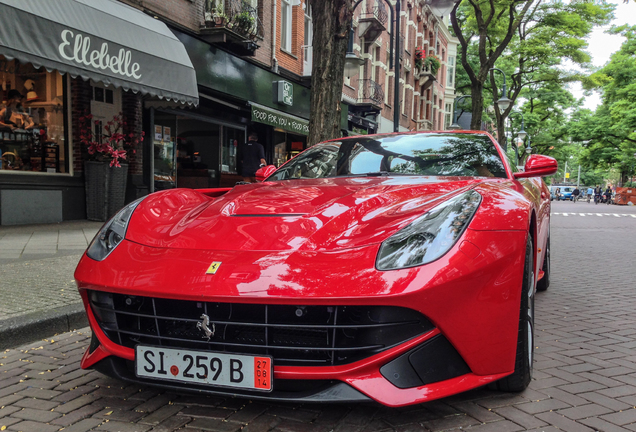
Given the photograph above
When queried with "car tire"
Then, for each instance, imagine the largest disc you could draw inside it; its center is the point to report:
(524, 357)
(544, 283)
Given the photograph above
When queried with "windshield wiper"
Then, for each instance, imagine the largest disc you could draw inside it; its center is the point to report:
(377, 174)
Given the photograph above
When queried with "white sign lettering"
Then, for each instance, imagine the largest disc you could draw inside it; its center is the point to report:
(77, 48)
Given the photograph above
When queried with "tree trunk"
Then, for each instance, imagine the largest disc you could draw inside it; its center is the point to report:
(331, 37)
(477, 100)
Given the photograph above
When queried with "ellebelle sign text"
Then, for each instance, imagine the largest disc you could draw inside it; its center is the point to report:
(81, 53)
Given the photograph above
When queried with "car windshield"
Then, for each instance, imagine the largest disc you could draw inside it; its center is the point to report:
(431, 154)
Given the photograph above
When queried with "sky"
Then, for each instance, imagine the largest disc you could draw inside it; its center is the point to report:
(603, 45)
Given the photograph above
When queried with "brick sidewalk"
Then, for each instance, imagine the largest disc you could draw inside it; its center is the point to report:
(40, 260)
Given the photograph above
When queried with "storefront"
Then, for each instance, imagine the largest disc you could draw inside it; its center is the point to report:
(61, 61)
(198, 147)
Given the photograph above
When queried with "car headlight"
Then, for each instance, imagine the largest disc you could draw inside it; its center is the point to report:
(430, 236)
(112, 233)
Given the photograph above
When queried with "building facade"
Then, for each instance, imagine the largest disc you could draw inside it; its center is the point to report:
(251, 63)
(425, 63)
(249, 69)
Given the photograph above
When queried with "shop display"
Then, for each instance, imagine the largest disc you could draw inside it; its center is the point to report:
(31, 119)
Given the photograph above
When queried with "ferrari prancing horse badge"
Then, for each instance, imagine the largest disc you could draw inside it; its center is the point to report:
(213, 267)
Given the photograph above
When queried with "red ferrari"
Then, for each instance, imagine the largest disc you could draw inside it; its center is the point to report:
(399, 268)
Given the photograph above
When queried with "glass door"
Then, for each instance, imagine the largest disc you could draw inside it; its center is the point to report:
(164, 151)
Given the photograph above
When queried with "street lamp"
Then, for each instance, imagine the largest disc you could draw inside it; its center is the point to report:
(352, 61)
(521, 135)
(503, 101)
(455, 125)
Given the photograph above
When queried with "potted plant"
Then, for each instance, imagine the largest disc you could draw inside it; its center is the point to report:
(432, 63)
(106, 149)
(220, 19)
(244, 22)
(419, 58)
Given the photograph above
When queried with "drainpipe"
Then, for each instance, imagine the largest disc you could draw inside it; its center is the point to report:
(274, 59)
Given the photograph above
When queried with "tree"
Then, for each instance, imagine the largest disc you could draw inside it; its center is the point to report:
(327, 75)
(493, 23)
(546, 32)
(552, 32)
(610, 132)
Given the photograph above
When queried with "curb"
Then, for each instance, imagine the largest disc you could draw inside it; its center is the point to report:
(34, 326)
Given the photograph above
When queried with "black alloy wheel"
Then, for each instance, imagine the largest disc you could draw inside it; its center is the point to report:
(544, 283)
(522, 375)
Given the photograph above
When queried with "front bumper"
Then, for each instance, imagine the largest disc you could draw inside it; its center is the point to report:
(471, 296)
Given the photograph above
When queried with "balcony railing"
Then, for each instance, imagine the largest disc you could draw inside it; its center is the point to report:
(235, 15)
(378, 12)
(370, 92)
(308, 52)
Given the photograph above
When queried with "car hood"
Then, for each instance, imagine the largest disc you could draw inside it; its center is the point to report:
(317, 214)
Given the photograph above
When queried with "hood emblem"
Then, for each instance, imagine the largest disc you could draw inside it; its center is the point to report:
(204, 325)
(213, 267)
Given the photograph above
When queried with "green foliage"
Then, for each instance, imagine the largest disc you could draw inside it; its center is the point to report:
(549, 33)
(432, 62)
(609, 133)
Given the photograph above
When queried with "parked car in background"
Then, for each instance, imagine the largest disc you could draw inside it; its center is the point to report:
(565, 192)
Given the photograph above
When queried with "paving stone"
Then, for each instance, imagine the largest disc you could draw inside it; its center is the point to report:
(114, 414)
(171, 424)
(77, 415)
(498, 426)
(8, 410)
(602, 425)
(76, 403)
(31, 426)
(210, 424)
(155, 403)
(36, 404)
(482, 414)
(206, 412)
(451, 422)
(39, 393)
(117, 426)
(161, 414)
(250, 411)
(36, 415)
(542, 406)
(516, 415)
(83, 425)
(621, 417)
(563, 422)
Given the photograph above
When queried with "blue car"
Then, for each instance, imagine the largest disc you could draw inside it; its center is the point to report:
(565, 192)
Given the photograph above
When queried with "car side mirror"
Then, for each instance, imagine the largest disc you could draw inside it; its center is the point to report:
(538, 166)
(264, 172)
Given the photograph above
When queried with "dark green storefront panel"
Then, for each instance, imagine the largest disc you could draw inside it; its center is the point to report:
(263, 114)
(226, 73)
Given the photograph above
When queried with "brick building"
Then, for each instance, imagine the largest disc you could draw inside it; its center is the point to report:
(425, 94)
(252, 63)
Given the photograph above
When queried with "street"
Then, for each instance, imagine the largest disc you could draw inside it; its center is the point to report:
(584, 372)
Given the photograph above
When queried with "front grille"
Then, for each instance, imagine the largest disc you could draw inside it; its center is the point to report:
(292, 335)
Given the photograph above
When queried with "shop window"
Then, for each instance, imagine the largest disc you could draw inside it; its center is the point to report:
(32, 126)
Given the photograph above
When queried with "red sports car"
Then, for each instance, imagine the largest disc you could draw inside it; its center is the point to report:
(399, 268)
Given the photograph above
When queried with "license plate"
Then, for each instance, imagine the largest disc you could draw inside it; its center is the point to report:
(204, 367)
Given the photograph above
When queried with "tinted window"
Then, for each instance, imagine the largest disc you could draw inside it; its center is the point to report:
(422, 154)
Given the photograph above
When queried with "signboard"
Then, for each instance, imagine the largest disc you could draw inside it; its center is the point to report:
(279, 119)
(567, 175)
(285, 93)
